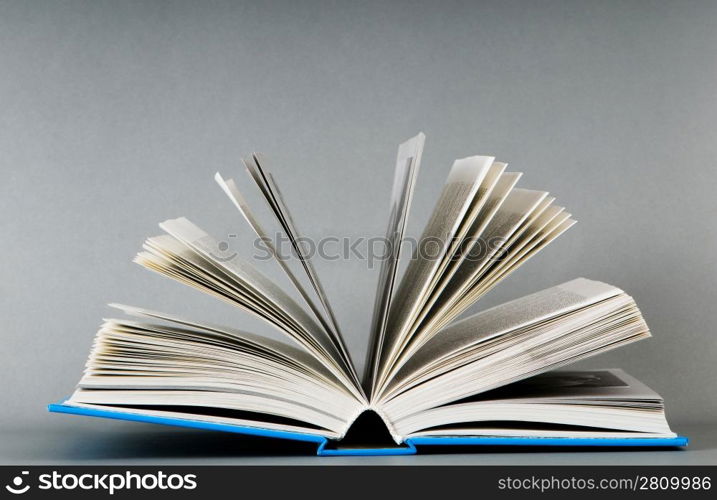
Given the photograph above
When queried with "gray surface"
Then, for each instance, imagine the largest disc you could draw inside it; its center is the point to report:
(133, 443)
(115, 116)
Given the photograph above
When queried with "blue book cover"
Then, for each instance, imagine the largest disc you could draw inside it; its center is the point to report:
(325, 447)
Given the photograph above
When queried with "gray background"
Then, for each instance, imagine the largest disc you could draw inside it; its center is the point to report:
(115, 116)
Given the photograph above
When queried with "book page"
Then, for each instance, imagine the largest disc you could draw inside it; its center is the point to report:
(477, 242)
(597, 386)
(246, 274)
(208, 373)
(561, 403)
(507, 317)
(455, 199)
(186, 254)
(283, 352)
(595, 321)
(517, 257)
(232, 191)
(538, 227)
(516, 207)
(407, 165)
(256, 166)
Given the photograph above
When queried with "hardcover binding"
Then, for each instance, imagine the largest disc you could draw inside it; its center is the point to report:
(325, 446)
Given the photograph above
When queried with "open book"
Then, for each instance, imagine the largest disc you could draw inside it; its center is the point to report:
(428, 375)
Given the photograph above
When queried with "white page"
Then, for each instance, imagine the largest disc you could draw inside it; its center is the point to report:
(458, 270)
(408, 162)
(241, 284)
(455, 200)
(608, 399)
(192, 236)
(545, 346)
(256, 166)
(279, 349)
(232, 191)
(510, 316)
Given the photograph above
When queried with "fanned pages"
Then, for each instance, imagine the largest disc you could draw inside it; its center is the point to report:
(429, 374)
(407, 165)
(266, 184)
(441, 233)
(232, 191)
